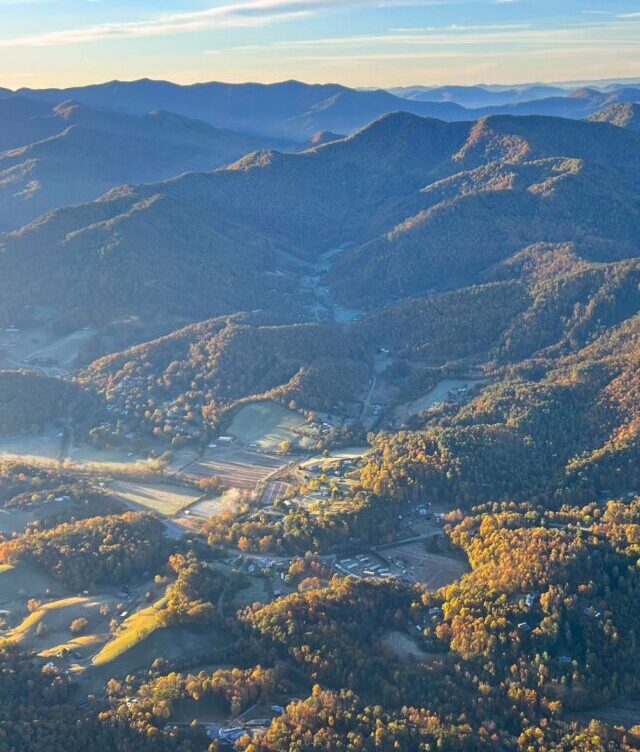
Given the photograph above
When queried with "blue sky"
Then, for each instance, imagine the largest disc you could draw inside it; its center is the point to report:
(356, 42)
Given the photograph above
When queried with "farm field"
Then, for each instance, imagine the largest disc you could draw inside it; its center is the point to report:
(348, 453)
(273, 491)
(265, 424)
(166, 499)
(238, 468)
(42, 448)
(181, 458)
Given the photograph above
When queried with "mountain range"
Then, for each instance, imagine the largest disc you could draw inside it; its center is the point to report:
(52, 156)
(60, 147)
(409, 195)
(485, 240)
(295, 110)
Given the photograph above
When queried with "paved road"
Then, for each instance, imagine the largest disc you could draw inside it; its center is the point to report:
(365, 406)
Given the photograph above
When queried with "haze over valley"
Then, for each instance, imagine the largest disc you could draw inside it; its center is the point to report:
(320, 417)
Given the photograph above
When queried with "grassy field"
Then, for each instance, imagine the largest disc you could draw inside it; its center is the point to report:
(56, 616)
(348, 453)
(83, 644)
(23, 581)
(171, 643)
(166, 499)
(265, 424)
(133, 630)
(63, 351)
(255, 593)
(42, 447)
(403, 646)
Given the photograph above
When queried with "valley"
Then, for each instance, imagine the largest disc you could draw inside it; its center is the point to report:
(319, 442)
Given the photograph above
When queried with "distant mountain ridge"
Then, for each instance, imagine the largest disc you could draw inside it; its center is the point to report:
(70, 153)
(295, 110)
(289, 109)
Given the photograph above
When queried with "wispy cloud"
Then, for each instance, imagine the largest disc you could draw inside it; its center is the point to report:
(497, 36)
(235, 14)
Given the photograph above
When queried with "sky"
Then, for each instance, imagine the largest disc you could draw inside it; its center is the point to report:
(355, 42)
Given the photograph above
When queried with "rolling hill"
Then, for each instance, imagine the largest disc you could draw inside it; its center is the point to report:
(195, 375)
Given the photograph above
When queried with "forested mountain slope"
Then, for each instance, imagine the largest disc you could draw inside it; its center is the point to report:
(67, 154)
(624, 115)
(221, 228)
(411, 195)
(570, 425)
(506, 170)
(204, 370)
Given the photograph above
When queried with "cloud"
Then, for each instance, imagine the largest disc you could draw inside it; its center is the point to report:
(234, 14)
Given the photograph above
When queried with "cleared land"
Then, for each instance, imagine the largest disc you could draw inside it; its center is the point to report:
(433, 570)
(63, 351)
(43, 447)
(15, 520)
(348, 453)
(265, 424)
(208, 507)
(621, 713)
(16, 346)
(257, 592)
(402, 645)
(439, 394)
(23, 581)
(133, 630)
(54, 618)
(166, 499)
(237, 468)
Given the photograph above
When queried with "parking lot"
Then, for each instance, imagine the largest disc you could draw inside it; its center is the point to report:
(410, 562)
